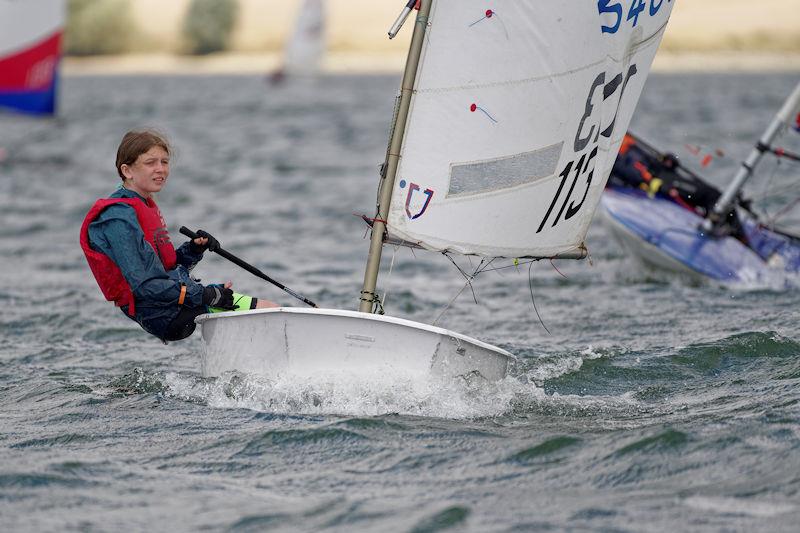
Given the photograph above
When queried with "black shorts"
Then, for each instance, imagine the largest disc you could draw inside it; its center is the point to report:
(183, 325)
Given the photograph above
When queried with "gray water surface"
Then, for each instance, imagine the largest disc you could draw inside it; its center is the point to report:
(652, 405)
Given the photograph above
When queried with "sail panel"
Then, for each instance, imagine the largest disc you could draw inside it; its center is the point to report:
(30, 52)
(306, 45)
(515, 122)
(503, 173)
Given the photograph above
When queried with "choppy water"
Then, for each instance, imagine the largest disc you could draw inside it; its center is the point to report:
(652, 406)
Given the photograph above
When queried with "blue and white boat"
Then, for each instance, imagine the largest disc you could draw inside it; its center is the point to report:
(669, 219)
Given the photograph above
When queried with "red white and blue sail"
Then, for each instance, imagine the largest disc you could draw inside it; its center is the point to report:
(30, 50)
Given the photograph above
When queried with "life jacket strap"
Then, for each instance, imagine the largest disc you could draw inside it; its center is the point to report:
(182, 297)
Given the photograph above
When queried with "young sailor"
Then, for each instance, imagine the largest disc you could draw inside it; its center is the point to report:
(125, 240)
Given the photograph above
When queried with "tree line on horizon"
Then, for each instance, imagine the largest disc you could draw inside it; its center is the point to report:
(103, 27)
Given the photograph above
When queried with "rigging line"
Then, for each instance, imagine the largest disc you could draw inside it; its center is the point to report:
(513, 265)
(470, 278)
(788, 207)
(389, 277)
(469, 260)
(556, 268)
(518, 263)
(474, 275)
(441, 314)
(769, 184)
(775, 192)
(771, 219)
(533, 300)
(371, 222)
(480, 270)
(468, 282)
(461, 270)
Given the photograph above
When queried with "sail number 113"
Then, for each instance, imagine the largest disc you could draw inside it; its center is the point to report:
(636, 9)
(587, 141)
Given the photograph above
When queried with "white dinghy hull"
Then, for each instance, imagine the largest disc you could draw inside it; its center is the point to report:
(308, 342)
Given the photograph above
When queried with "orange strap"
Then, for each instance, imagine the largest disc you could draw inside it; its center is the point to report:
(182, 297)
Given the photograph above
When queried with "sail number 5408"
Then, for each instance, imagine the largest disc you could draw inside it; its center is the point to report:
(615, 9)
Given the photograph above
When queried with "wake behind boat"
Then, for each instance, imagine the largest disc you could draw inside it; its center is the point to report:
(504, 133)
(671, 220)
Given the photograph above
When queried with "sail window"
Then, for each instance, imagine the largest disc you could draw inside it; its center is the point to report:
(503, 173)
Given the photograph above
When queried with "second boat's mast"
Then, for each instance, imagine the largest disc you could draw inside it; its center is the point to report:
(726, 201)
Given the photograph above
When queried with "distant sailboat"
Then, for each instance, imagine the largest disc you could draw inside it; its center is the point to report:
(505, 130)
(306, 45)
(30, 52)
(672, 221)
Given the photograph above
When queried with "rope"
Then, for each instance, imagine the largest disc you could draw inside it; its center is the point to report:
(466, 276)
(556, 269)
(771, 219)
(533, 300)
(389, 277)
(515, 264)
(768, 185)
(370, 221)
(377, 308)
(449, 304)
(788, 207)
(481, 268)
(468, 283)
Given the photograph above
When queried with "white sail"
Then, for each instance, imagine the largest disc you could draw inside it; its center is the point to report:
(516, 118)
(306, 45)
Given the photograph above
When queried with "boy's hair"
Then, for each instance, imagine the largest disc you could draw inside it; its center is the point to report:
(136, 143)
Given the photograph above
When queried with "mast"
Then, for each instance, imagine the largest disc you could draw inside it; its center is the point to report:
(393, 157)
(725, 202)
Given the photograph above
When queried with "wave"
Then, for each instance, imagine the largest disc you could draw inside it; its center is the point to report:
(349, 395)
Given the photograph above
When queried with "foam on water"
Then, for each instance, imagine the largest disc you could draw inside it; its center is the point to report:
(342, 394)
(739, 506)
(538, 370)
(772, 279)
(377, 395)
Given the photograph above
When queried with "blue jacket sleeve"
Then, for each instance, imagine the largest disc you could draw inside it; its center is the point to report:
(186, 257)
(117, 234)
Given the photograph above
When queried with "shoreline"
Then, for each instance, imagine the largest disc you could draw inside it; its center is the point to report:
(389, 63)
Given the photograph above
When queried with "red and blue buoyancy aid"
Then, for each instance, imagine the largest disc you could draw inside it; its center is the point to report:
(108, 275)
